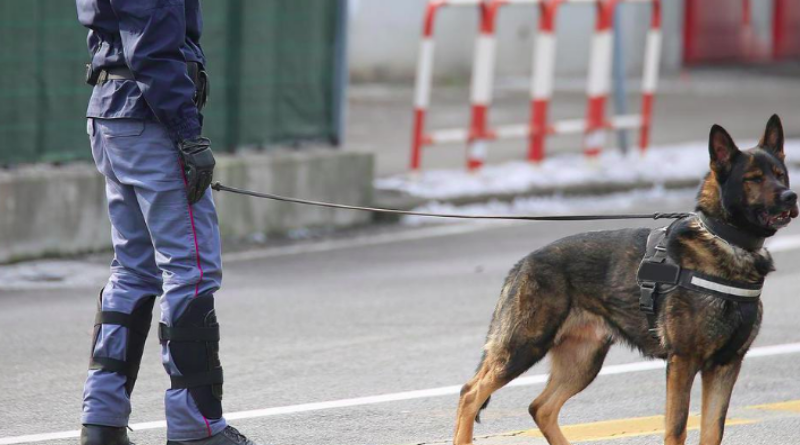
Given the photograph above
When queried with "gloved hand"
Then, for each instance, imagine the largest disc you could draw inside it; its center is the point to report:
(198, 166)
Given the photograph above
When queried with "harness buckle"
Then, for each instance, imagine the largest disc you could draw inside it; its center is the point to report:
(646, 301)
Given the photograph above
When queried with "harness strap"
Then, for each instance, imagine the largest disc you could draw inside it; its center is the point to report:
(654, 270)
(188, 333)
(658, 275)
(121, 319)
(749, 316)
(196, 380)
(111, 365)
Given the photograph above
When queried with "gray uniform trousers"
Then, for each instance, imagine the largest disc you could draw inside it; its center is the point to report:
(163, 247)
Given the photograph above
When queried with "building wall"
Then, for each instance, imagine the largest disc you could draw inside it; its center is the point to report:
(384, 36)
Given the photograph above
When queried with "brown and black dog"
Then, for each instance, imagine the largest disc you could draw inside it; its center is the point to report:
(577, 296)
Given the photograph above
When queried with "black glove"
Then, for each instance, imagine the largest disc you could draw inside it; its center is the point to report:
(198, 166)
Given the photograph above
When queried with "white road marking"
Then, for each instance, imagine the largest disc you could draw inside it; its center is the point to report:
(764, 351)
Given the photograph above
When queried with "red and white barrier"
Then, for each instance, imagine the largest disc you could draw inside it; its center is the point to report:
(424, 83)
(594, 125)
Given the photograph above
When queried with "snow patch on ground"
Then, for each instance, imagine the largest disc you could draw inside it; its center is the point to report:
(659, 165)
(52, 274)
(627, 202)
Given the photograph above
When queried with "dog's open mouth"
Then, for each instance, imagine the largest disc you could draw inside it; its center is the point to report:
(777, 220)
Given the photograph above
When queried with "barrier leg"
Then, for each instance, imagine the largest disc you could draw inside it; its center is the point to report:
(424, 81)
(652, 60)
(482, 83)
(544, 66)
(599, 78)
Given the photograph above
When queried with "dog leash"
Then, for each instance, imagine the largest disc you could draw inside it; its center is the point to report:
(238, 191)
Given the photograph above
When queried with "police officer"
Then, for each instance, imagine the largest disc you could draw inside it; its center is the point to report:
(144, 123)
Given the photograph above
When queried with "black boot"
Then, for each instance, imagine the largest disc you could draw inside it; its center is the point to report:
(228, 436)
(104, 435)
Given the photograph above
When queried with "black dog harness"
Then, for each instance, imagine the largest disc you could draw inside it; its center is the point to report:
(659, 275)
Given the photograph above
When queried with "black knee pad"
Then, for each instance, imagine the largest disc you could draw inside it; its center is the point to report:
(138, 324)
(194, 347)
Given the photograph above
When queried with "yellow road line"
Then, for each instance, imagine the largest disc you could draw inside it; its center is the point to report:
(791, 406)
(633, 427)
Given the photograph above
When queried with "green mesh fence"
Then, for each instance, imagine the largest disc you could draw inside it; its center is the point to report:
(273, 67)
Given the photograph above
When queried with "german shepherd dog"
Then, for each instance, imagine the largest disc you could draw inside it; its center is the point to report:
(577, 296)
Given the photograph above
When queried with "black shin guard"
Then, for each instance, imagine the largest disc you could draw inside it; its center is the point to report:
(194, 347)
(138, 325)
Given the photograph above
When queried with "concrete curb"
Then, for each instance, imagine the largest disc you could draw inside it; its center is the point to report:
(50, 211)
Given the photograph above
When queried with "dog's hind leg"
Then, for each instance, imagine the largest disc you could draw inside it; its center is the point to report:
(499, 366)
(575, 361)
(528, 315)
(473, 395)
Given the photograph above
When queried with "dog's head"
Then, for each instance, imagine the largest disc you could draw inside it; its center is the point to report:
(749, 188)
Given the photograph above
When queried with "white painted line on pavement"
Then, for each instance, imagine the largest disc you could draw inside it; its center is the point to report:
(764, 351)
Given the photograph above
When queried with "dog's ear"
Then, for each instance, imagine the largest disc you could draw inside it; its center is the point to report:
(723, 151)
(772, 141)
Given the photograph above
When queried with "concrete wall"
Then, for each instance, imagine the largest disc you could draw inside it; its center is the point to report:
(384, 39)
(49, 211)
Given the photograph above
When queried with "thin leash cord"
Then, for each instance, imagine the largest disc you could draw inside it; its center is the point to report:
(223, 188)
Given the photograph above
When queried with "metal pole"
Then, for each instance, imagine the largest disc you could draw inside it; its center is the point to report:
(620, 103)
(340, 75)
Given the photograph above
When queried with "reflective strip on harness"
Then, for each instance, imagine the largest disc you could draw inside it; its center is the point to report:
(725, 289)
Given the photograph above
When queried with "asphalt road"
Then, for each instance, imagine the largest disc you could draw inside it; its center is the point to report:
(379, 314)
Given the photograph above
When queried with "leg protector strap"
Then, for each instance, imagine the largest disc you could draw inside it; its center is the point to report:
(138, 325)
(194, 348)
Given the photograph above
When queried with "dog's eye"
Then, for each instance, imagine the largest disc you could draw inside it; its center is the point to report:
(754, 179)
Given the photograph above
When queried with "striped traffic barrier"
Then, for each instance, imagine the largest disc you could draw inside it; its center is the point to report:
(593, 125)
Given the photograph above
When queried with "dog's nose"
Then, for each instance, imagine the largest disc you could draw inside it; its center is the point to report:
(788, 197)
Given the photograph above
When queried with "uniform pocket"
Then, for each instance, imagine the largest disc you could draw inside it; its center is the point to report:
(120, 128)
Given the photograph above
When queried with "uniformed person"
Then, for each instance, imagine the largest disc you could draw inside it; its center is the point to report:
(144, 122)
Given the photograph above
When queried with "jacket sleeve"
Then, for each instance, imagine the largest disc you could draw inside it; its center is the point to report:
(153, 32)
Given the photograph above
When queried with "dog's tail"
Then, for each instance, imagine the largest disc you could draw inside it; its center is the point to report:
(483, 407)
